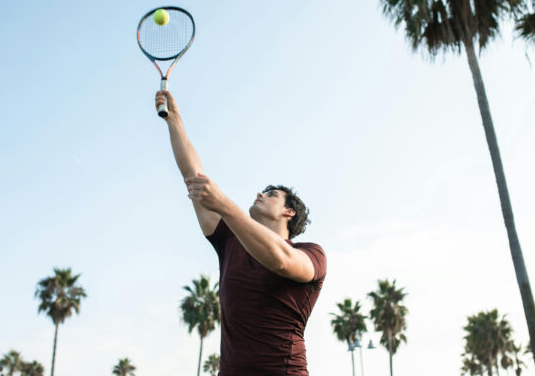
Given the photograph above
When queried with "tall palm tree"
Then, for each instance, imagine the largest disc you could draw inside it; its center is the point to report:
(59, 296)
(124, 368)
(349, 325)
(11, 363)
(32, 369)
(212, 364)
(448, 25)
(201, 310)
(388, 315)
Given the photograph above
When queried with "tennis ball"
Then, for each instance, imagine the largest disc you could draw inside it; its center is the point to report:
(161, 17)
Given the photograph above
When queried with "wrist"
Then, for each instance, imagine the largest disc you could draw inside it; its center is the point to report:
(173, 120)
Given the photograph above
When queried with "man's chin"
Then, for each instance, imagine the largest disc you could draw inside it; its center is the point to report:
(253, 211)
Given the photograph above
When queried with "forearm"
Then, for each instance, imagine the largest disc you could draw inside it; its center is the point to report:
(186, 156)
(267, 247)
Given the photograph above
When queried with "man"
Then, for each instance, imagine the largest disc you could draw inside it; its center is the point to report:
(268, 284)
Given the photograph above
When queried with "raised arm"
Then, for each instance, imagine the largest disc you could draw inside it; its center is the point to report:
(186, 158)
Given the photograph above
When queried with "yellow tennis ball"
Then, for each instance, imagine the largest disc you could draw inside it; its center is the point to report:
(161, 17)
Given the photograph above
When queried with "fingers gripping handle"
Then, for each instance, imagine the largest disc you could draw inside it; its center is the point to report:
(162, 109)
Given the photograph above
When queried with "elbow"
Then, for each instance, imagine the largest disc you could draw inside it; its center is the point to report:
(279, 268)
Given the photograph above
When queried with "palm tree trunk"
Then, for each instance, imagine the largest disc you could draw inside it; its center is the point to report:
(507, 211)
(390, 352)
(54, 350)
(489, 364)
(200, 357)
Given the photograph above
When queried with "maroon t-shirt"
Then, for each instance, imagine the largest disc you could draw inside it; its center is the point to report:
(263, 315)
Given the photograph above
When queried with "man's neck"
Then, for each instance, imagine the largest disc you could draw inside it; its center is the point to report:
(278, 227)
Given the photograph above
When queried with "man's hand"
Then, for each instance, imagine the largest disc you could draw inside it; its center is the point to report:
(205, 192)
(174, 114)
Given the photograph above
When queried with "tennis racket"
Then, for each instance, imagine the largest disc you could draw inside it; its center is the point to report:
(166, 42)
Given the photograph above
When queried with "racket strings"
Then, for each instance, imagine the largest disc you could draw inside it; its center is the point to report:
(167, 41)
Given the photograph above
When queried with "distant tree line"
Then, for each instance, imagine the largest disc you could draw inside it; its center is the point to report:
(488, 342)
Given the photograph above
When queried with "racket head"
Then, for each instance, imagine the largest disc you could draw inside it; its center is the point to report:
(169, 41)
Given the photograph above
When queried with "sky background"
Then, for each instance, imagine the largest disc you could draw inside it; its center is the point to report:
(385, 147)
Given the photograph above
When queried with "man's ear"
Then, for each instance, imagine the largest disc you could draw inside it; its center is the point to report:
(289, 212)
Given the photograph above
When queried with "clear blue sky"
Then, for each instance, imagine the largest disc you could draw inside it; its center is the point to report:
(386, 148)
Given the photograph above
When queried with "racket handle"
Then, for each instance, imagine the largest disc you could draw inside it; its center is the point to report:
(163, 111)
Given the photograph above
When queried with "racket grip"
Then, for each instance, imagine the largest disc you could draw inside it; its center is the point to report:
(163, 111)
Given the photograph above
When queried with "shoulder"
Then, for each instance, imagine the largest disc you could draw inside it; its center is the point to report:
(220, 235)
(313, 250)
(309, 246)
(317, 255)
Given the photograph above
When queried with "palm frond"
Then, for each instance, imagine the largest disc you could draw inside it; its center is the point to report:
(525, 26)
(201, 309)
(349, 322)
(59, 295)
(442, 26)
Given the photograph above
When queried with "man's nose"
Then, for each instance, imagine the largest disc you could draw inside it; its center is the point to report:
(259, 195)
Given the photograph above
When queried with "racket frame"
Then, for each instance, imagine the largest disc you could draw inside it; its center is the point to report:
(162, 109)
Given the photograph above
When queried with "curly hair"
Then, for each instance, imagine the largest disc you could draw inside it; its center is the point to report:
(299, 221)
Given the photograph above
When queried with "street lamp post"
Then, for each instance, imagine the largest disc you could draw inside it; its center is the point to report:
(351, 348)
(357, 343)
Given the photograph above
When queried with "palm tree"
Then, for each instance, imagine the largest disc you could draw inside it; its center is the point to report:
(488, 338)
(201, 310)
(212, 364)
(479, 340)
(349, 325)
(10, 363)
(32, 369)
(448, 25)
(59, 296)
(124, 368)
(388, 316)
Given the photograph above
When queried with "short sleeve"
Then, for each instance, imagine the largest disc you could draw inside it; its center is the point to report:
(318, 258)
(220, 237)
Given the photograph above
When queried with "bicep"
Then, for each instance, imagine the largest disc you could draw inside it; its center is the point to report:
(208, 220)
